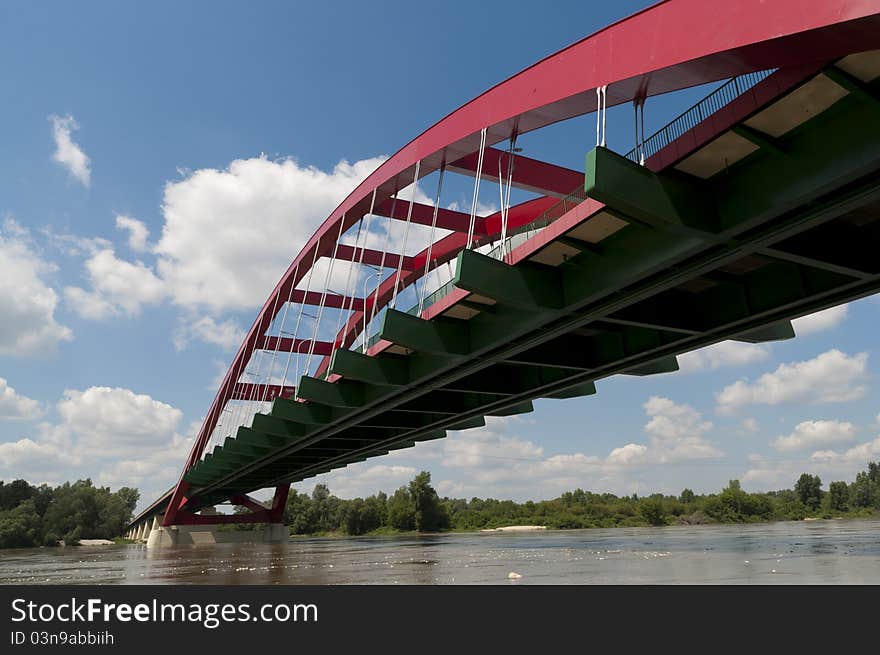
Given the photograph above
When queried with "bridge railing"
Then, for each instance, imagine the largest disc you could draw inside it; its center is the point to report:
(720, 97)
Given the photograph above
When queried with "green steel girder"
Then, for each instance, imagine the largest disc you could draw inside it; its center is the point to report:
(572, 351)
(663, 365)
(759, 138)
(387, 370)
(576, 391)
(342, 393)
(661, 200)
(833, 149)
(773, 332)
(443, 336)
(443, 401)
(854, 85)
(513, 410)
(305, 413)
(527, 286)
(509, 379)
(277, 431)
(838, 247)
(468, 423)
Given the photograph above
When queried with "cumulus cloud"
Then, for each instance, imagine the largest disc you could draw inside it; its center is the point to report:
(361, 480)
(725, 353)
(226, 334)
(677, 431)
(137, 232)
(68, 153)
(830, 377)
(27, 303)
(858, 455)
(816, 434)
(823, 320)
(113, 435)
(118, 287)
(227, 237)
(229, 234)
(15, 406)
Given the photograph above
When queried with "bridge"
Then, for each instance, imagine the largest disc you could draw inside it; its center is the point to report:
(759, 204)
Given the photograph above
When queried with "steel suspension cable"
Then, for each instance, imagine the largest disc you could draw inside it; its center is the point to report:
(299, 320)
(324, 295)
(381, 265)
(405, 235)
(477, 177)
(431, 238)
(361, 260)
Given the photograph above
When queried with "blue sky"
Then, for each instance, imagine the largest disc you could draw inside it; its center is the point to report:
(143, 144)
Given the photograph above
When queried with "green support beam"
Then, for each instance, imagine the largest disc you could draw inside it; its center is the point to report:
(663, 365)
(773, 332)
(764, 141)
(576, 391)
(656, 199)
(439, 336)
(526, 285)
(384, 369)
(342, 393)
(297, 412)
(853, 84)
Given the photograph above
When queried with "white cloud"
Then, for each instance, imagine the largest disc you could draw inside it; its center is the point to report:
(137, 232)
(15, 406)
(68, 153)
(226, 334)
(858, 455)
(35, 462)
(830, 377)
(822, 320)
(677, 431)
(27, 303)
(229, 234)
(118, 287)
(815, 434)
(631, 453)
(725, 353)
(112, 435)
(362, 479)
(111, 422)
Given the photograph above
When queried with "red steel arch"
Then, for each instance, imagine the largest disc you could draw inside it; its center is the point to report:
(672, 45)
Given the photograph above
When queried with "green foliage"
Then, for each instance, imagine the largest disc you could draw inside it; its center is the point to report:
(838, 496)
(401, 511)
(687, 496)
(808, 490)
(651, 510)
(428, 514)
(40, 516)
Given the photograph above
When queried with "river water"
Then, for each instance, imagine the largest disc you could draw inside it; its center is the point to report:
(814, 552)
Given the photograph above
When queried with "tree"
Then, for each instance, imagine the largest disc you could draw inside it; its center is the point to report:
(651, 510)
(428, 513)
(401, 513)
(838, 496)
(687, 496)
(808, 490)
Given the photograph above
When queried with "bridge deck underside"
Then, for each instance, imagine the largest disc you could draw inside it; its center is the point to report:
(776, 217)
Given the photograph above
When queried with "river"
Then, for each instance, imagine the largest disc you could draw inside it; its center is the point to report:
(814, 552)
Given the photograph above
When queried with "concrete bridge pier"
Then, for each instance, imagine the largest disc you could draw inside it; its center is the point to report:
(188, 535)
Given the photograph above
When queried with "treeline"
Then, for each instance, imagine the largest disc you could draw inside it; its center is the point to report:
(413, 507)
(418, 507)
(42, 516)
